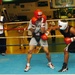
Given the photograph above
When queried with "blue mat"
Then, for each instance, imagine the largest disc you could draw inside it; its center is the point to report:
(15, 64)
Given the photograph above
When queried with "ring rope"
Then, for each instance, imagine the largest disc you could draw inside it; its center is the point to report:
(47, 20)
(59, 36)
(16, 45)
(17, 22)
(14, 29)
(62, 43)
(61, 19)
(15, 37)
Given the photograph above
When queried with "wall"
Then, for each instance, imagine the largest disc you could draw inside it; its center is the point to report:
(17, 9)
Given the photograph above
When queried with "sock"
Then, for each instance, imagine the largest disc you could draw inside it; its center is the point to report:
(28, 64)
(49, 62)
(64, 65)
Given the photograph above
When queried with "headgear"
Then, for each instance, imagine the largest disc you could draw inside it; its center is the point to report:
(63, 25)
(38, 13)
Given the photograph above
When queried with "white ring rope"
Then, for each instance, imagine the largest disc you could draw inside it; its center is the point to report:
(62, 19)
(58, 36)
(16, 37)
(14, 29)
(47, 20)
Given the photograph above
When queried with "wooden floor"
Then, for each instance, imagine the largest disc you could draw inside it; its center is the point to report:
(14, 44)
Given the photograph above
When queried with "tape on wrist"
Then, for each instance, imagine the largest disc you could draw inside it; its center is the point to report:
(73, 38)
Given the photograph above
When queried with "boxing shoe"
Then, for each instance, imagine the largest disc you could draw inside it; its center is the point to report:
(27, 68)
(51, 65)
(3, 54)
(64, 68)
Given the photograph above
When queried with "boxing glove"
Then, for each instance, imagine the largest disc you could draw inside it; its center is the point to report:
(69, 40)
(33, 21)
(44, 37)
(44, 18)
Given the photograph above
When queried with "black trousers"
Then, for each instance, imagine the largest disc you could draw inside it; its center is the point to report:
(2, 43)
(71, 47)
(53, 33)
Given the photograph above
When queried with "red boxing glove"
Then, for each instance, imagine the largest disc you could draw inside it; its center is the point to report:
(33, 20)
(44, 18)
(44, 37)
(68, 40)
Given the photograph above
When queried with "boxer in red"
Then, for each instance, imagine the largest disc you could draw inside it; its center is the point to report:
(38, 27)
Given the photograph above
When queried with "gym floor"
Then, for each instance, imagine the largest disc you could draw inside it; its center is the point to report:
(14, 64)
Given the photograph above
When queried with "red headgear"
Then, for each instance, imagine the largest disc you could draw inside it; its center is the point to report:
(38, 13)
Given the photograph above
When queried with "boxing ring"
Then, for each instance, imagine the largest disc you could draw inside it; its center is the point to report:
(14, 35)
(15, 59)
